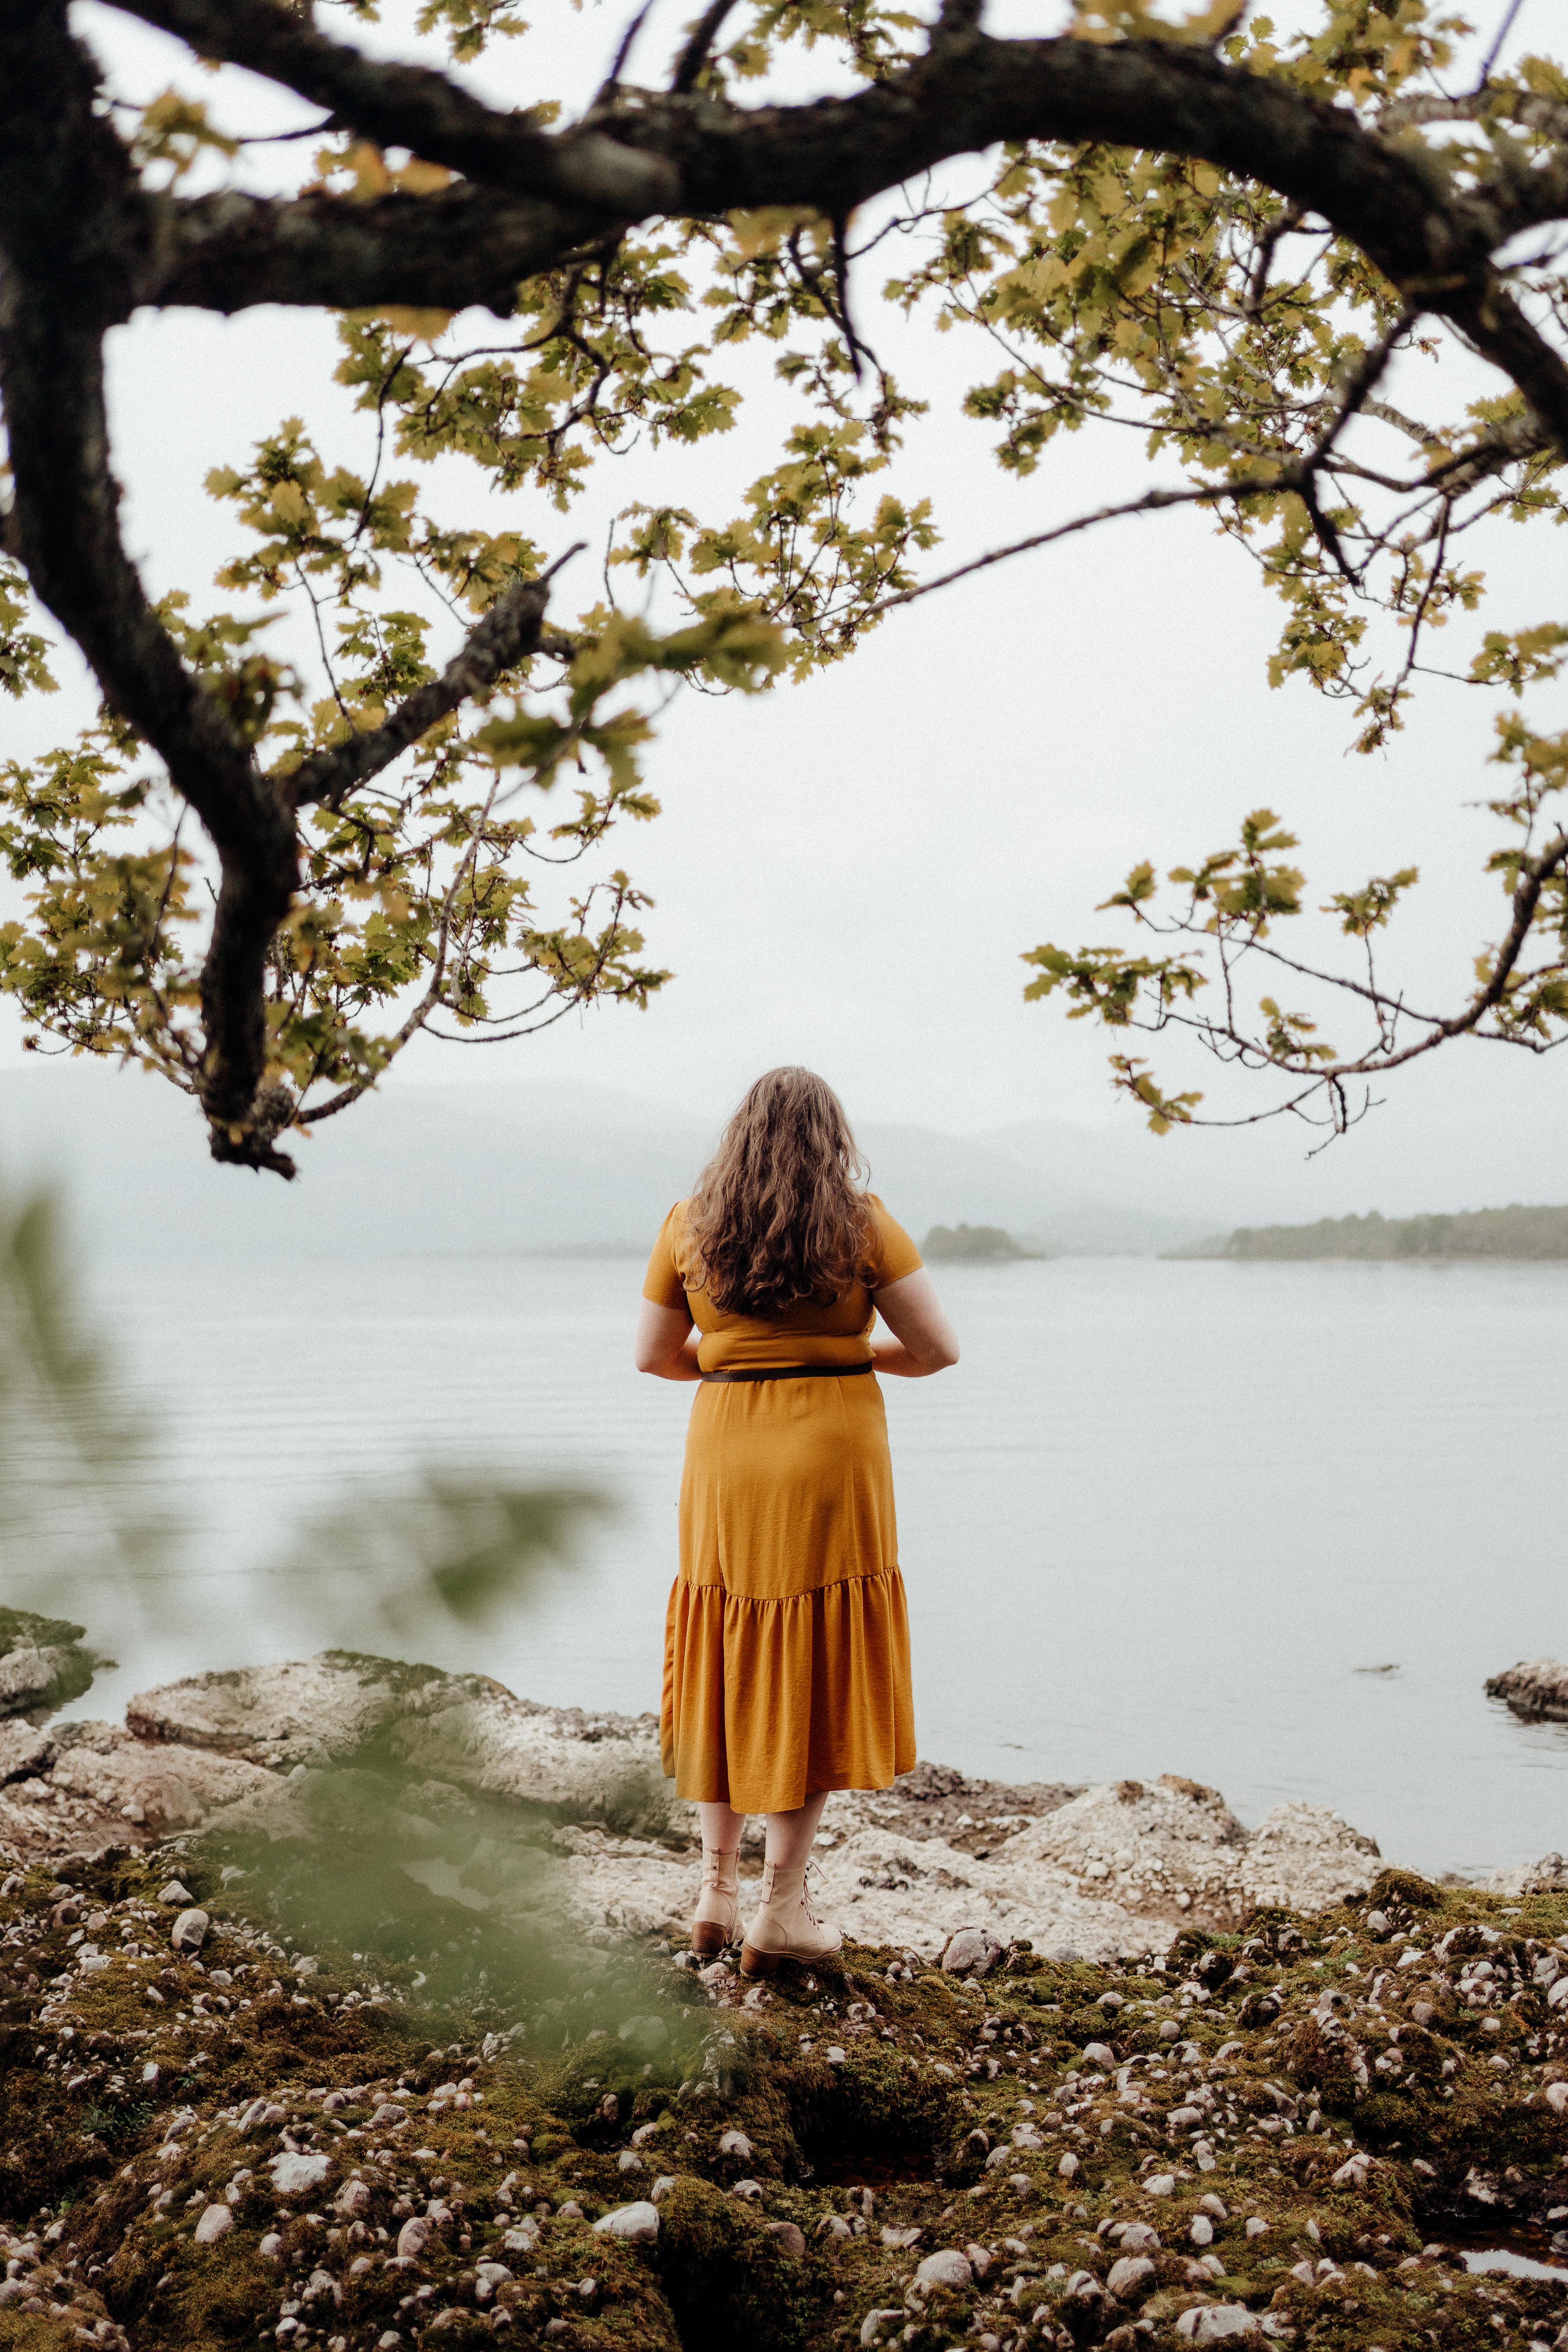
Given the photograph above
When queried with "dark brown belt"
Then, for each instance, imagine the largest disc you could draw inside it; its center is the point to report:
(796, 1372)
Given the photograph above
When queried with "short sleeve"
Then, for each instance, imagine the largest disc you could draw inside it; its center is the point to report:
(893, 1254)
(662, 1283)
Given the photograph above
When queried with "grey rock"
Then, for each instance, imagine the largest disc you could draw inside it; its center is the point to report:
(971, 1952)
(294, 2173)
(946, 2267)
(1536, 1688)
(871, 2326)
(414, 2237)
(216, 2222)
(189, 1932)
(1216, 2323)
(637, 2223)
(736, 2144)
(1130, 2277)
(42, 1663)
(790, 2236)
(177, 1896)
(24, 1751)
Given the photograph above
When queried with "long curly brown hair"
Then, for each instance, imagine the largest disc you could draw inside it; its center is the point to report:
(779, 1214)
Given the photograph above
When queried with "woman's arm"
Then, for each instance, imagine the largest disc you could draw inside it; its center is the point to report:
(923, 1339)
(667, 1343)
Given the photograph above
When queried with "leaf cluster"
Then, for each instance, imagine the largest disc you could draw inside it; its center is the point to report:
(1307, 402)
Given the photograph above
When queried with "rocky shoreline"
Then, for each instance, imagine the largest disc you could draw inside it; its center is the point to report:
(1105, 1872)
(347, 2004)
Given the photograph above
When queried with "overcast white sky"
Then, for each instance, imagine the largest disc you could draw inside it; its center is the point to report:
(847, 872)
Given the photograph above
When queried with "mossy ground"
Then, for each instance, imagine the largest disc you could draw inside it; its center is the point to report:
(1296, 2076)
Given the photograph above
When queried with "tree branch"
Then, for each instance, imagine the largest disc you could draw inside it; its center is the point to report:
(63, 192)
(704, 33)
(464, 245)
(416, 107)
(508, 631)
(641, 153)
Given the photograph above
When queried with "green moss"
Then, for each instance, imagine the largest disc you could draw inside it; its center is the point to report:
(1403, 1889)
(855, 2152)
(730, 2281)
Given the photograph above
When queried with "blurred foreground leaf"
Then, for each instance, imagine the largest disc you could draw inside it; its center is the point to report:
(455, 1547)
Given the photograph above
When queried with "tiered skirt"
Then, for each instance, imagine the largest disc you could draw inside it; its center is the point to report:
(786, 1666)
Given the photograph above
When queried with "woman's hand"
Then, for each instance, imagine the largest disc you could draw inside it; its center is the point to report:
(667, 1343)
(923, 1339)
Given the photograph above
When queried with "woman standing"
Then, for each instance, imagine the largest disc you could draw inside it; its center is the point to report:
(786, 1663)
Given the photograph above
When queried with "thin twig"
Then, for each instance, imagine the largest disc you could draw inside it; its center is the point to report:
(694, 55)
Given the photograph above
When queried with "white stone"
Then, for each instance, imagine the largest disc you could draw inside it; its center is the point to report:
(216, 2222)
(1137, 2238)
(1214, 2323)
(189, 1932)
(971, 1952)
(637, 2223)
(295, 2172)
(946, 2267)
(1202, 2231)
(1130, 2276)
(871, 2326)
(1160, 2184)
(24, 1751)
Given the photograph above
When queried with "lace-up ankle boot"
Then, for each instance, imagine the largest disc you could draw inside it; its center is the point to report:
(785, 1926)
(717, 1918)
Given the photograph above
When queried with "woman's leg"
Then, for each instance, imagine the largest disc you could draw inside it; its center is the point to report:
(717, 1919)
(792, 1835)
(786, 1925)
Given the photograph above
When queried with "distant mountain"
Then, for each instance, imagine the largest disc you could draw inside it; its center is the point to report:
(472, 1168)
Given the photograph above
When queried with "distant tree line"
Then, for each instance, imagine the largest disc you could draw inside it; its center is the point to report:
(1512, 1232)
(972, 1245)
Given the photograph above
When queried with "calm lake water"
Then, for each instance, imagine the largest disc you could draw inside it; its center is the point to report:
(1271, 1527)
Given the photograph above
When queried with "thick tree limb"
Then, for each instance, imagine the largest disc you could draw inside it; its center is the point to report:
(466, 245)
(508, 630)
(414, 106)
(644, 154)
(64, 190)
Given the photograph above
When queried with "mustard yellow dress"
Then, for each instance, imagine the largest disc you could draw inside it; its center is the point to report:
(787, 1655)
